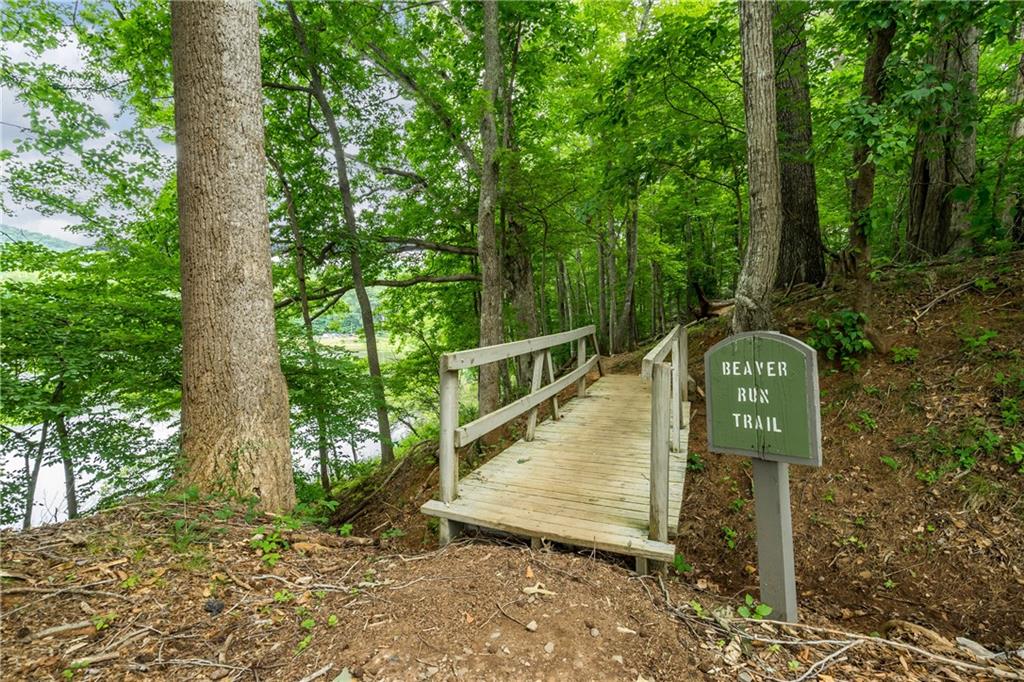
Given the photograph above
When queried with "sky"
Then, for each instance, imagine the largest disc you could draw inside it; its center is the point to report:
(13, 118)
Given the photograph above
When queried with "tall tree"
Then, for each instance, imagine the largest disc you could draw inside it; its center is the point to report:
(487, 244)
(316, 89)
(862, 187)
(757, 278)
(801, 256)
(1011, 206)
(234, 406)
(944, 153)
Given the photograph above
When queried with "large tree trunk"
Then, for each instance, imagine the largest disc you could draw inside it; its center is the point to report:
(862, 188)
(757, 278)
(387, 453)
(487, 243)
(70, 490)
(312, 347)
(234, 403)
(801, 257)
(944, 154)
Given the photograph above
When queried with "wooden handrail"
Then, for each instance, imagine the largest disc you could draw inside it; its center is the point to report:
(658, 354)
(503, 415)
(674, 345)
(474, 357)
(453, 436)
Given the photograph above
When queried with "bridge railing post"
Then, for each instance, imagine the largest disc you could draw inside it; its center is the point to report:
(447, 458)
(678, 372)
(661, 381)
(581, 359)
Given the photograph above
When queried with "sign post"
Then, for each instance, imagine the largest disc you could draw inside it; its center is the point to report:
(762, 403)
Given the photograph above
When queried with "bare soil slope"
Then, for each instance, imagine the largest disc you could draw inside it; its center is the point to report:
(186, 592)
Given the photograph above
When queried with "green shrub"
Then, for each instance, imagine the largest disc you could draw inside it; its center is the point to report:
(840, 336)
(904, 354)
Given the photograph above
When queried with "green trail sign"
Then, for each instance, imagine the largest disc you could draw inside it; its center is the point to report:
(762, 398)
(762, 402)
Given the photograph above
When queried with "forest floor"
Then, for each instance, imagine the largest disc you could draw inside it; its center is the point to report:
(907, 538)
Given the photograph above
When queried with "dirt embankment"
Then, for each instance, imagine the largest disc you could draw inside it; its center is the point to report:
(186, 591)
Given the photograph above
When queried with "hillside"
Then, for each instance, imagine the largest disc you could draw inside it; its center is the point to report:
(17, 234)
(908, 536)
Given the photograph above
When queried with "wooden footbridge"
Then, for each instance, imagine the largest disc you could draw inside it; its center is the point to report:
(605, 472)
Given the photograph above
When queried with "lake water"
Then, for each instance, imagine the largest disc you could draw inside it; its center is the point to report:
(51, 506)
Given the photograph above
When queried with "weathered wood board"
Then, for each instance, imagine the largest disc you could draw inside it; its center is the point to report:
(583, 480)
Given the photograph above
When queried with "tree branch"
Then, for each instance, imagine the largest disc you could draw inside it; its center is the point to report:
(413, 244)
(398, 283)
(287, 86)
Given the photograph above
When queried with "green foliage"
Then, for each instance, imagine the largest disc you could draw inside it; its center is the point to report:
(729, 535)
(751, 608)
(680, 565)
(977, 342)
(840, 336)
(904, 354)
(695, 463)
(890, 462)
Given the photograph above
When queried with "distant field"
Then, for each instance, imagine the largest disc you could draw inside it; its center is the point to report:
(357, 344)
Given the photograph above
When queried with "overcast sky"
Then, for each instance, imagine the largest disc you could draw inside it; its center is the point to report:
(13, 118)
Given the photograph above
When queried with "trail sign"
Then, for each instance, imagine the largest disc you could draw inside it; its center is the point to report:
(762, 402)
(762, 398)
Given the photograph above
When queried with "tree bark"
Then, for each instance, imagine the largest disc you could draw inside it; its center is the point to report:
(487, 244)
(801, 256)
(33, 477)
(601, 290)
(323, 459)
(70, 491)
(626, 323)
(944, 159)
(387, 453)
(757, 278)
(234, 405)
(1013, 200)
(862, 189)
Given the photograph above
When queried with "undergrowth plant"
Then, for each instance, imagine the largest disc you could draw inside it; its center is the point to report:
(840, 336)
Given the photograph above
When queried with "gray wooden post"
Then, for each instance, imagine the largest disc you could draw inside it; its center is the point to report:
(538, 377)
(581, 359)
(661, 379)
(449, 464)
(678, 374)
(775, 538)
(556, 413)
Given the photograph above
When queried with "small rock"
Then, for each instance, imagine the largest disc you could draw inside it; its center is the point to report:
(618, 659)
(213, 606)
(505, 650)
(532, 626)
(549, 648)
(744, 676)
(432, 670)
(496, 634)
(624, 631)
(594, 632)
(864, 575)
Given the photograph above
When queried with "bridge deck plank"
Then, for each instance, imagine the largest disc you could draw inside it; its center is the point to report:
(582, 481)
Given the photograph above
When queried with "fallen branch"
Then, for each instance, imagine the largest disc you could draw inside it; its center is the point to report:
(87, 661)
(57, 629)
(318, 673)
